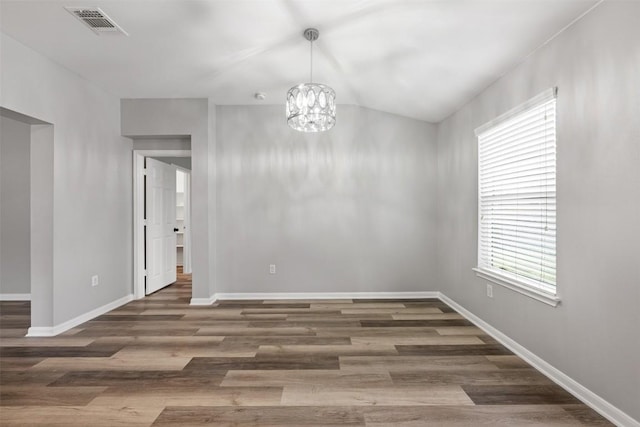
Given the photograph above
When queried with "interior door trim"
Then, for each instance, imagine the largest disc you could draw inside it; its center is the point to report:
(138, 212)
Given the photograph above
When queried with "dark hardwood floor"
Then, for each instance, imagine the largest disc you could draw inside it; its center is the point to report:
(159, 361)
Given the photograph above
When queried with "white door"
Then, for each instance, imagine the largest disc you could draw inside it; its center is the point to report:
(161, 221)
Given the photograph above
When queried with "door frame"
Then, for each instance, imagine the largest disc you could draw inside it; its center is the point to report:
(186, 237)
(139, 272)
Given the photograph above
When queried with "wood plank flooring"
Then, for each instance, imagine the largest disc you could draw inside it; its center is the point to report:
(159, 361)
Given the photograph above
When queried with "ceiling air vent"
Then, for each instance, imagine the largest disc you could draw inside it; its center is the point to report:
(96, 20)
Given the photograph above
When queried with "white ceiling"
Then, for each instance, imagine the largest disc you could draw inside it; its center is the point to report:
(420, 59)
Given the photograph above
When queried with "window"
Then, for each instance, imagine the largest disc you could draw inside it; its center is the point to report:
(517, 198)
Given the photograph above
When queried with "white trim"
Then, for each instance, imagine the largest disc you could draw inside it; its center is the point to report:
(15, 297)
(138, 225)
(186, 237)
(203, 301)
(326, 295)
(138, 208)
(600, 405)
(514, 285)
(312, 295)
(538, 99)
(40, 331)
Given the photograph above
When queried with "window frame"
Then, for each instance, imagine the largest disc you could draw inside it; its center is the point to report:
(539, 291)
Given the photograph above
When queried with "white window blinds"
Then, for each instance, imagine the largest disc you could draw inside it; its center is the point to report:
(517, 194)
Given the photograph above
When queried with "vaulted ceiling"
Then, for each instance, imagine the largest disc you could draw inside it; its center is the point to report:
(420, 59)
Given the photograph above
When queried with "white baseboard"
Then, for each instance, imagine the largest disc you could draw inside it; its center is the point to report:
(203, 301)
(326, 295)
(15, 297)
(597, 403)
(40, 331)
(312, 295)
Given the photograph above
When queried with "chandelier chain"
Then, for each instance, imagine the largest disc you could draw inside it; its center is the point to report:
(311, 61)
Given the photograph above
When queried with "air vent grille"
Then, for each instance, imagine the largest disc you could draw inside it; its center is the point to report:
(96, 20)
(85, 13)
(98, 23)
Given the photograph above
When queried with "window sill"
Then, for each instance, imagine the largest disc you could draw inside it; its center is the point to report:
(516, 286)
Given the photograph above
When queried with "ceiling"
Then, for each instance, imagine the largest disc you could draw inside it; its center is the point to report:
(420, 59)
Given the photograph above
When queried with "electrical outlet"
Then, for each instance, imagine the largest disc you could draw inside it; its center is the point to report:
(94, 280)
(490, 291)
(272, 269)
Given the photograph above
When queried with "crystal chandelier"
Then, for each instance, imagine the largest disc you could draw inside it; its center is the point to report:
(311, 107)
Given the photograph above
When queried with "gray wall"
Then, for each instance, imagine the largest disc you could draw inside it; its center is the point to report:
(349, 210)
(15, 245)
(592, 336)
(183, 143)
(91, 174)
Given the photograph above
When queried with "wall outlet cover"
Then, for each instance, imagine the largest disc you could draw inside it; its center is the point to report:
(490, 291)
(272, 269)
(94, 280)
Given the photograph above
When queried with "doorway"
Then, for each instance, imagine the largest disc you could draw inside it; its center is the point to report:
(162, 218)
(15, 224)
(26, 252)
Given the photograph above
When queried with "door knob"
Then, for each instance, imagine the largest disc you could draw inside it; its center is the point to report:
(176, 229)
